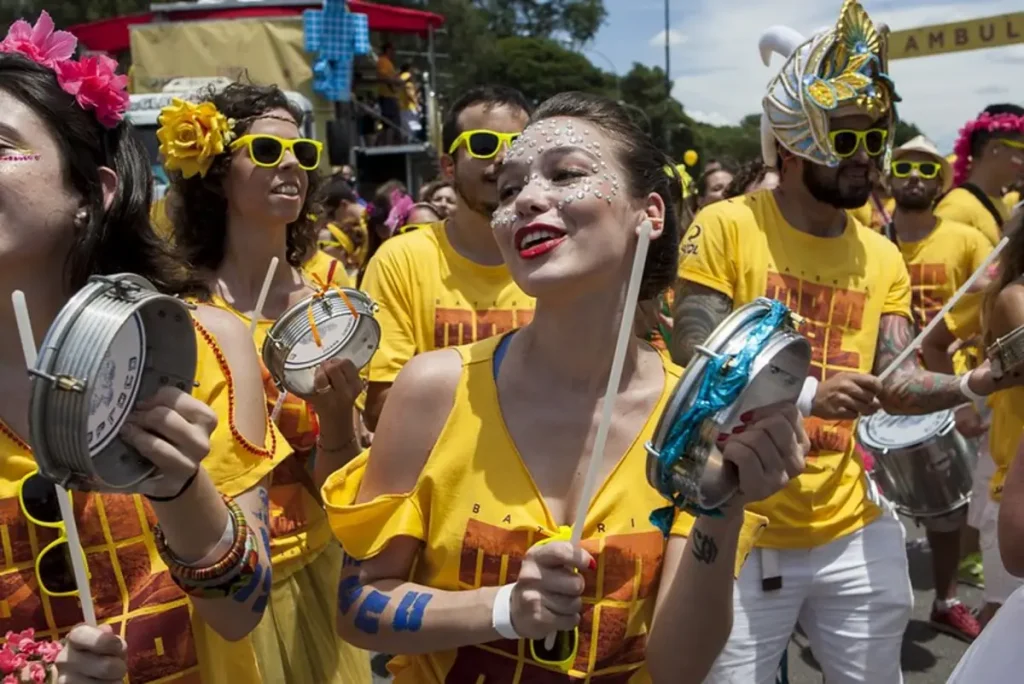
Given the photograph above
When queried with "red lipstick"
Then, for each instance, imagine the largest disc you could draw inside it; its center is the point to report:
(538, 239)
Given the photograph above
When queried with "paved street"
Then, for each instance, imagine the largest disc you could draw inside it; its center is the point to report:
(928, 656)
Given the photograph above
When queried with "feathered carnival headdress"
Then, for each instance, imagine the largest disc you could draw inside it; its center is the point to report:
(93, 81)
(1006, 123)
(837, 72)
(193, 135)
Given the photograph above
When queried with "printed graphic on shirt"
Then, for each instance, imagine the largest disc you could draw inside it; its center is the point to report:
(928, 284)
(453, 327)
(627, 572)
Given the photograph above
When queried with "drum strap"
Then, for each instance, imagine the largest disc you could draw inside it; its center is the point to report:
(771, 576)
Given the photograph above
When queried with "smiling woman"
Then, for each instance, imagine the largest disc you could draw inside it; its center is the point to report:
(246, 199)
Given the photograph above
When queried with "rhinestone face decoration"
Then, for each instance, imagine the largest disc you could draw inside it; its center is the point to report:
(557, 133)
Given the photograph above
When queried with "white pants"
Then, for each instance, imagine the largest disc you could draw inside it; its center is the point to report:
(996, 656)
(981, 477)
(852, 597)
(999, 583)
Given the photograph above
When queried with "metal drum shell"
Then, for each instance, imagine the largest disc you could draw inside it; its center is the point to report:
(928, 478)
(701, 477)
(293, 325)
(75, 347)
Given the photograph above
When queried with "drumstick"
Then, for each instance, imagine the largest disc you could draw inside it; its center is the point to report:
(67, 510)
(912, 347)
(614, 378)
(262, 299)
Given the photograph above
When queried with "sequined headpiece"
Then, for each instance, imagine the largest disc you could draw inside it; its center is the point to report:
(839, 71)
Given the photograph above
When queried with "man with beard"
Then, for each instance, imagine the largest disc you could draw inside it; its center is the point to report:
(448, 285)
(940, 255)
(832, 556)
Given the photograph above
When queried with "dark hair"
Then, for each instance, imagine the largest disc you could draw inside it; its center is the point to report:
(647, 170)
(1011, 267)
(200, 218)
(748, 174)
(981, 138)
(116, 240)
(428, 191)
(376, 215)
(490, 96)
(335, 191)
(701, 186)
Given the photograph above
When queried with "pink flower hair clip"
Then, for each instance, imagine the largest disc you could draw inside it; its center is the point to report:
(93, 81)
(401, 206)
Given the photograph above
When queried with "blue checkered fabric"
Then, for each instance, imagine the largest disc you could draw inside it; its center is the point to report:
(336, 37)
(312, 29)
(360, 28)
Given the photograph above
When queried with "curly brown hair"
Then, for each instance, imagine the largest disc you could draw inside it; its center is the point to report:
(200, 215)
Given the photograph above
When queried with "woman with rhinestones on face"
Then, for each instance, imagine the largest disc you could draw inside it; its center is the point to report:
(177, 569)
(482, 449)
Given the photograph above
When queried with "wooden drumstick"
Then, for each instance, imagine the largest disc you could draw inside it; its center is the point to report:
(612, 390)
(262, 299)
(912, 347)
(67, 510)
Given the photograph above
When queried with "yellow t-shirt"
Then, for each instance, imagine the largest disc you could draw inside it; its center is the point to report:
(131, 587)
(1004, 434)
(1011, 199)
(319, 266)
(939, 265)
(432, 297)
(842, 286)
(478, 512)
(961, 206)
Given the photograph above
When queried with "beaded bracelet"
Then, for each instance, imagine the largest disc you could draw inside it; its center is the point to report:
(215, 581)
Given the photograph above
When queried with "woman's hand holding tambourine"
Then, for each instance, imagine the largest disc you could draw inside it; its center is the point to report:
(172, 430)
(768, 452)
(337, 385)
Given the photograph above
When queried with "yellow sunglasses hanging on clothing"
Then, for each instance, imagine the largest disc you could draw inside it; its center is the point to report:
(483, 144)
(54, 572)
(267, 151)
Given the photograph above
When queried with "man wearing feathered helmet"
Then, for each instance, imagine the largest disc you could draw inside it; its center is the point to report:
(833, 553)
(989, 158)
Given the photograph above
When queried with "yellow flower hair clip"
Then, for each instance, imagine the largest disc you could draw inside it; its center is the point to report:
(192, 135)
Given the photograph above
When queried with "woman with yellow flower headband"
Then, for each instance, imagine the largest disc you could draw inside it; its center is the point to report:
(75, 190)
(243, 178)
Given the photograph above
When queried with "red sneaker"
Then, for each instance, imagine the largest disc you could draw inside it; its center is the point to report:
(958, 621)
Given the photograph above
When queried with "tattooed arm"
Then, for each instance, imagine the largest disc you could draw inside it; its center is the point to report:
(911, 389)
(696, 312)
(696, 580)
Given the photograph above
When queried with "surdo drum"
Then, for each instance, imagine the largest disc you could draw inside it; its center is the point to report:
(922, 464)
(115, 343)
(755, 358)
(336, 323)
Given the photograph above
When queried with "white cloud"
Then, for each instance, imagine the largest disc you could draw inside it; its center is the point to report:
(723, 78)
(713, 118)
(674, 38)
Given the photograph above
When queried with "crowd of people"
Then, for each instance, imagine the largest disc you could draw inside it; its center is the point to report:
(420, 506)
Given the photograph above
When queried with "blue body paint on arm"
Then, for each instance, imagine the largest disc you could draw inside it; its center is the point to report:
(368, 616)
(409, 617)
(261, 601)
(243, 594)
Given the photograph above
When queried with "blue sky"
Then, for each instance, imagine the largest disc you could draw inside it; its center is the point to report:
(719, 76)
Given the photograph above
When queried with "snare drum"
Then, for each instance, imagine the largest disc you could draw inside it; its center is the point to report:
(336, 324)
(755, 358)
(922, 464)
(116, 342)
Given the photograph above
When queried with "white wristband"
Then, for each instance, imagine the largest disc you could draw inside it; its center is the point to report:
(501, 614)
(965, 389)
(806, 399)
(220, 550)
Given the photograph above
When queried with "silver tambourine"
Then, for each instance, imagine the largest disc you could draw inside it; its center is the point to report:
(754, 358)
(337, 323)
(115, 343)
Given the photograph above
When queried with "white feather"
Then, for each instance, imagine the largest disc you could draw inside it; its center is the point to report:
(779, 39)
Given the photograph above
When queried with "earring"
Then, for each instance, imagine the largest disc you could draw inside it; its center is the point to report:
(81, 219)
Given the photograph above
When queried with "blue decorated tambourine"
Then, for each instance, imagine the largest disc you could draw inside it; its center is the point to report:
(755, 358)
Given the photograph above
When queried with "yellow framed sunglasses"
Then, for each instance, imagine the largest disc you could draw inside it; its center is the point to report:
(565, 646)
(1015, 144)
(54, 572)
(926, 170)
(846, 141)
(267, 151)
(482, 143)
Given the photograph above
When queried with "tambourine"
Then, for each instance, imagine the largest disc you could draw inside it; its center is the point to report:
(754, 358)
(337, 323)
(115, 343)
(1007, 353)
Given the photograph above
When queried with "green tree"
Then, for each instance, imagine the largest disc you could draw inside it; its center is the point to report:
(643, 87)
(577, 20)
(540, 68)
(68, 13)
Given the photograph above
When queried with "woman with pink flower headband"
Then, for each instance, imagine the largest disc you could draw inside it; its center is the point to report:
(75, 190)
(244, 180)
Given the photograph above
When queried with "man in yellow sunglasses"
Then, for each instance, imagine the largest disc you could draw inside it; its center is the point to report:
(989, 157)
(940, 255)
(446, 284)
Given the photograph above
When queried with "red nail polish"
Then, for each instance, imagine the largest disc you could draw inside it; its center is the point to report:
(747, 417)
(738, 429)
(593, 564)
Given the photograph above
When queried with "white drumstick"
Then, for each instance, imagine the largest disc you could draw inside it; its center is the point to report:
(282, 394)
(912, 347)
(262, 299)
(67, 510)
(614, 378)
